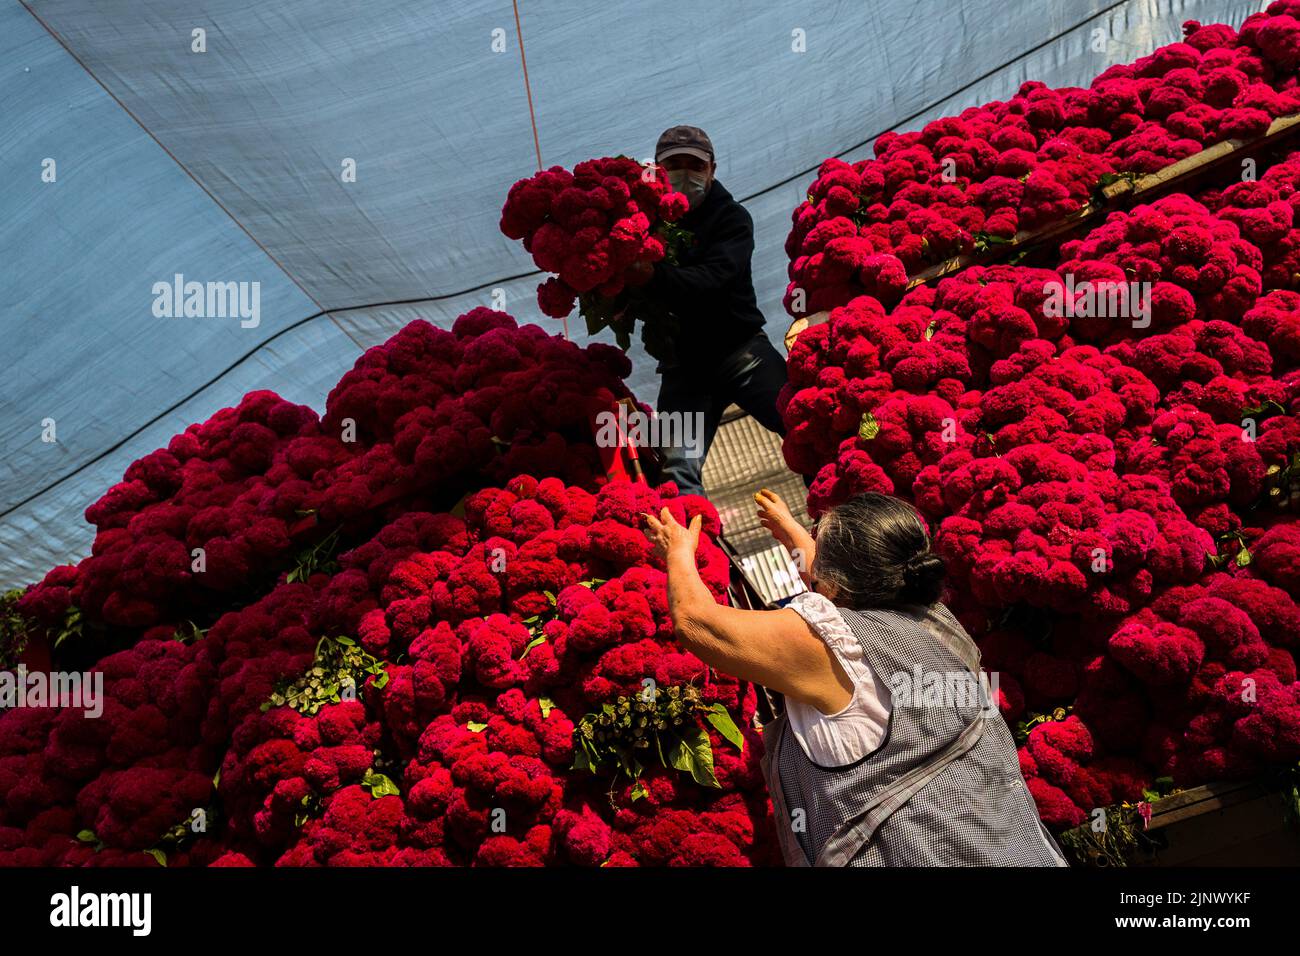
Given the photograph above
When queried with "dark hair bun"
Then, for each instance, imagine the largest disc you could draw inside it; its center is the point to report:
(922, 579)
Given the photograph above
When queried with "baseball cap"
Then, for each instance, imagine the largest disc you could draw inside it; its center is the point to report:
(688, 140)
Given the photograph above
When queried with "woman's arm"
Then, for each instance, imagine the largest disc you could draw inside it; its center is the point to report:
(774, 648)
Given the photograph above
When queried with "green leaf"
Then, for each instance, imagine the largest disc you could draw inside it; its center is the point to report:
(346, 641)
(1265, 409)
(87, 836)
(546, 704)
(1243, 557)
(531, 644)
(475, 727)
(581, 761)
(931, 329)
(693, 754)
(629, 765)
(638, 792)
(869, 428)
(721, 720)
(158, 855)
(380, 785)
(382, 680)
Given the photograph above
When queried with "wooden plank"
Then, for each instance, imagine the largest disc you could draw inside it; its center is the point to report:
(792, 333)
(1216, 154)
(798, 325)
(1198, 801)
(1249, 832)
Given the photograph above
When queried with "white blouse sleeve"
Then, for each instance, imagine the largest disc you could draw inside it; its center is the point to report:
(833, 740)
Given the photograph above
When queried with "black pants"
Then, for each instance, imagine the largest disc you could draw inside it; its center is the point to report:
(750, 377)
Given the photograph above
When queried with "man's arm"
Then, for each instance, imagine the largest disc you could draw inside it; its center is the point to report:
(725, 257)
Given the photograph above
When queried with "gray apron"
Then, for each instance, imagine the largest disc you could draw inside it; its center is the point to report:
(944, 788)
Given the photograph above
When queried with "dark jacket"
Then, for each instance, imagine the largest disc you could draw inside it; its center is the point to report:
(711, 290)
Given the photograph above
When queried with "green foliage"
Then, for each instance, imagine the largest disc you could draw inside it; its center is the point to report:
(985, 241)
(1288, 781)
(337, 660)
(657, 725)
(182, 834)
(319, 558)
(1231, 549)
(537, 622)
(1282, 485)
(378, 784)
(70, 628)
(310, 807)
(1123, 840)
(13, 629)
(868, 428)
(1025, 727)
(188, 632)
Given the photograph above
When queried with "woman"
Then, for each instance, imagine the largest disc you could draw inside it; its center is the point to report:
(887, 754)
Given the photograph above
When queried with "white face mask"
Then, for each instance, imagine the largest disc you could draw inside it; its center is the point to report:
(692, 185)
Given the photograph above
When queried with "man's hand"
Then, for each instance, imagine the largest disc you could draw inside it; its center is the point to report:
(669, 537)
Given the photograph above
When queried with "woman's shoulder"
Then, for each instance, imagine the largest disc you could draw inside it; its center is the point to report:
(825, 619)
(812, 604)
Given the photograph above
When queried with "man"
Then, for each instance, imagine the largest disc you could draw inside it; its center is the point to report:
(721, 354)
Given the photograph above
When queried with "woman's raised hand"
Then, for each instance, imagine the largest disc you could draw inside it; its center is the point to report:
(668, 536)
(774, 515)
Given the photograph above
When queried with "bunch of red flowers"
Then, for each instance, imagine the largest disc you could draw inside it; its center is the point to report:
(589, 227)
(967, 182)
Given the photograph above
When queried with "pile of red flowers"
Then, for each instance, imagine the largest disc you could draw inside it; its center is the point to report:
(966, 182)
(404, 689)
(233, 501)
(589, 227)
(1104, 485)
